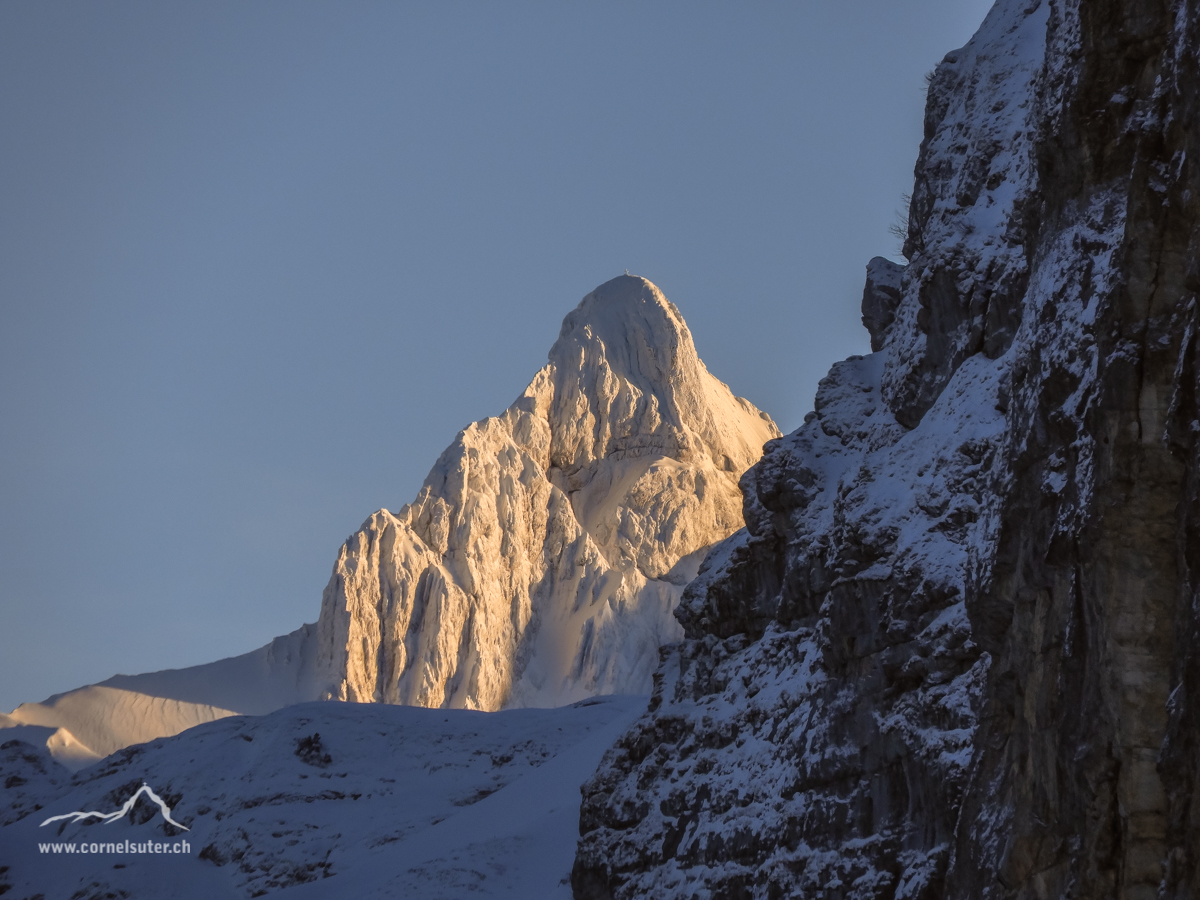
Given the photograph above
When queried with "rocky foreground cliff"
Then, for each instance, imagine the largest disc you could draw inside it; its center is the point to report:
(956, 651)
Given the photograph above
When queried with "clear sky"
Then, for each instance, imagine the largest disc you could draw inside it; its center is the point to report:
(259, 262)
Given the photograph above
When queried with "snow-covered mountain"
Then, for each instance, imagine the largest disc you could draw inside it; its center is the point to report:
(956, 652)
(540, 563)
(544, 556)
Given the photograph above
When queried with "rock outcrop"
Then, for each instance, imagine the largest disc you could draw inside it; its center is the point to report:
(954, 653)
(539, 565)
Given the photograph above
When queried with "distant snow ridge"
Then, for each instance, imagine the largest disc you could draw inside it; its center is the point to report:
(542, 560)
(539, 564)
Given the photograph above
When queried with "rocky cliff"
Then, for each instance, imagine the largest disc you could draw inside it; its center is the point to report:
(953, 654)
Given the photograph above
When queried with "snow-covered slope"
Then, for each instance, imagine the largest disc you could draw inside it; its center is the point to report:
(330, 800)
(539, 564)
(84, 725)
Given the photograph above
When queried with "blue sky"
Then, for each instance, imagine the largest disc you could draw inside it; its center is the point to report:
(260, 262)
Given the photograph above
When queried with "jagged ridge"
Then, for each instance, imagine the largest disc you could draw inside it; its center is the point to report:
(544, 555)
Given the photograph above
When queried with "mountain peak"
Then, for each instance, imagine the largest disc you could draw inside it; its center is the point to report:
(627, 379)
(539, 564)
(547, 550)
(623, 286)
(627, 312)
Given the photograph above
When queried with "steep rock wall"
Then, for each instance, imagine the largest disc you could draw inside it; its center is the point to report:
(1085, 759)
(953, 653)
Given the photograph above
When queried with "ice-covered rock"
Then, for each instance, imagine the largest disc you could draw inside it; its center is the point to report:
(540, 563)
(544, 556)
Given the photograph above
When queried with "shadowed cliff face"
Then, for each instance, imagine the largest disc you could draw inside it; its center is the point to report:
(1085, 759)
(954, 653)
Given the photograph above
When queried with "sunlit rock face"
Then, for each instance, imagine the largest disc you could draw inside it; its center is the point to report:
(539, 564)
(543, 558)
(955, 652)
